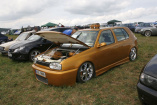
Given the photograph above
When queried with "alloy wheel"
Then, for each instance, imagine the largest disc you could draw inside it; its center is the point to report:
(86, 72)
(147, 33)
(133, 54)
(33, 54)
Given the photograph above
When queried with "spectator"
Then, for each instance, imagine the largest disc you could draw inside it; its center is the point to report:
(70, 31)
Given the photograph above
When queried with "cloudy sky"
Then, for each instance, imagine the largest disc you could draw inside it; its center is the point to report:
(18, 13)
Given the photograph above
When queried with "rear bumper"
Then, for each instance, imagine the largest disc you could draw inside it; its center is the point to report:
(146, 95)
(56, 78)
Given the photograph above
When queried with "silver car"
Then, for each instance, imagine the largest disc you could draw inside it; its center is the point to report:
(149, 31)
(143, 25)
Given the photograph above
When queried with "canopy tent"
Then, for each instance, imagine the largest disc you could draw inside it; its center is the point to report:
(113, 21)
(49, 24)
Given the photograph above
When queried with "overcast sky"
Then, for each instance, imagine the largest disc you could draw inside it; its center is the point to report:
(18, 13)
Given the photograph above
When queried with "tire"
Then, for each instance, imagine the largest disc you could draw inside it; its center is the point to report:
(85, 72)
(32, 54)
(148, 33)
(133, 54)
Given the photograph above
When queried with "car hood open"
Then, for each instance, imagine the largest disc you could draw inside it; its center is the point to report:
(59, 38)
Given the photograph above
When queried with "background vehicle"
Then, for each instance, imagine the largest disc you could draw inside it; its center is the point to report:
(3, 39)
(23, 36)
(147, 85)
(151, 31)
(58, 29)
(18, 32)
(143, 25)
(131, 26)
(29, 48)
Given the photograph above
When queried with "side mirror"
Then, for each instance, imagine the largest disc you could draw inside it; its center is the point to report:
(101, 44)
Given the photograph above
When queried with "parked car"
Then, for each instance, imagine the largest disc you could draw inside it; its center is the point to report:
(58, 29)
(143, 25)
(149, 31)
(131, 26)
(18, 32)
(84, 55)
(23, 36)
(28, 49)
(3, 39)
(147, 85)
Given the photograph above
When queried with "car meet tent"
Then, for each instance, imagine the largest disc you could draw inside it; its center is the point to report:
(113, 22)
(49, 24)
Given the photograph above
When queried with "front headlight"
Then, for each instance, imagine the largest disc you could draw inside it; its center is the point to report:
(35, 60)
(55, 66)
(142, 29)
(19, 49)
(148, 81)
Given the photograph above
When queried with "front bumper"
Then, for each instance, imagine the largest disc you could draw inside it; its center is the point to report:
(146, 95)
(18, 56)
(56, 78)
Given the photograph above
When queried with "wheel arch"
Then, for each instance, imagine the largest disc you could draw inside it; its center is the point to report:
(31, 51)
(148, 30)
(94, 73)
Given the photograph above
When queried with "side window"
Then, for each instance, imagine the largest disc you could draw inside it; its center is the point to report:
(121, 34)
(107, 37)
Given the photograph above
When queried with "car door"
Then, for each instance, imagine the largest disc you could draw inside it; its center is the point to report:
(123, 43)
(106, 55)
(154, 30)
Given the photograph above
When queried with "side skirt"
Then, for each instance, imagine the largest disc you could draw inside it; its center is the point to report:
(102, 70)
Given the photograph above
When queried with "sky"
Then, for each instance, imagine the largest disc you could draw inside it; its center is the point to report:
(18, 13)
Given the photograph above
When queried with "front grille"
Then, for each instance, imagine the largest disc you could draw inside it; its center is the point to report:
(43, 63)
(42, 79)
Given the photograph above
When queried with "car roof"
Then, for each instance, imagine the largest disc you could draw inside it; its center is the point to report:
(100, 28)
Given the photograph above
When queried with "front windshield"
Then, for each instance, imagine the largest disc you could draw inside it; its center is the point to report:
(34, 37)
(88, 37)
(23, 36)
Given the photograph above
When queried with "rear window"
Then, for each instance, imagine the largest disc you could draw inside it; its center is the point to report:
(121, 34)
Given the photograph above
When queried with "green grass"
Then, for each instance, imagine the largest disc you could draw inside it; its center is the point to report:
(12, 36)
(115, 87)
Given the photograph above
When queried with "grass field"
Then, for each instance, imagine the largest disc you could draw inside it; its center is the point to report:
(115, 87)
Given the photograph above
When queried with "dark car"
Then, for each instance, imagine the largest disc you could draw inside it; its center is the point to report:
(147, 85)
(3, 39)
(131, 26)
(58, 29)
(29, 48)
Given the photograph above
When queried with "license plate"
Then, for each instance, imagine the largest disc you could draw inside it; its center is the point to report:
(40, 73)
(9, 54)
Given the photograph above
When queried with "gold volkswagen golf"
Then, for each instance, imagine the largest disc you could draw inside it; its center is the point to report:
(84, 55)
